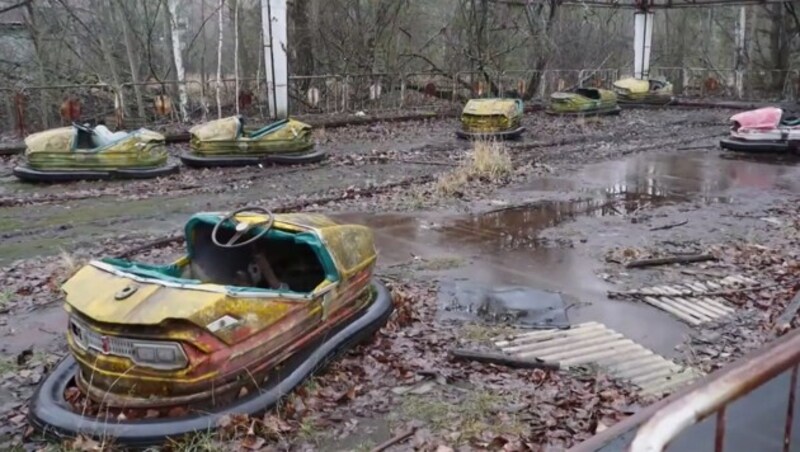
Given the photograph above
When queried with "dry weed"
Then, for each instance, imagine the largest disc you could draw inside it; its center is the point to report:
(488, 161)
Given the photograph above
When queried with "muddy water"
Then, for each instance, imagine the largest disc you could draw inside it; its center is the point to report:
(507, 246)
(694, 175)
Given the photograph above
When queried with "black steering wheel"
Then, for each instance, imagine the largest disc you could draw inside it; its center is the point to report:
(243, 227)
(84, 127)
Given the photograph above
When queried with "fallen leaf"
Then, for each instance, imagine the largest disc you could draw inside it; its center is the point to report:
(253, 442)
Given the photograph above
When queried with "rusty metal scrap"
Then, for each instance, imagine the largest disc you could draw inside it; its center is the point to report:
(715, 394)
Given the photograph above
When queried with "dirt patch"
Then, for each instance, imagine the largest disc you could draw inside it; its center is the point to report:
(577, 193)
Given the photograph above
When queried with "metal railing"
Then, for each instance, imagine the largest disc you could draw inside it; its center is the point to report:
(756, 394)
(745, 84)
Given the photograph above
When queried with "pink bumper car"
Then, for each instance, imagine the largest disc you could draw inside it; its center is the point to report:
(769, 129)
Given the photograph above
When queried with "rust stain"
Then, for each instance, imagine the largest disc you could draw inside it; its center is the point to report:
(70, 110)
(163, 105)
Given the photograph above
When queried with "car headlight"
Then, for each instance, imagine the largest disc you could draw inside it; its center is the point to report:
(153, 354)
(166, 355)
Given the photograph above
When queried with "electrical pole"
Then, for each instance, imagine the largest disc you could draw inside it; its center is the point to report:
(274, 30)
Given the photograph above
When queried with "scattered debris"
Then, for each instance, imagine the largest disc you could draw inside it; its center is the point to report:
(670, 226)
(397, 439)
(595, 344)
(694, 302)
(502, 360)
(784, 322)
(670, 260)
(722, 342)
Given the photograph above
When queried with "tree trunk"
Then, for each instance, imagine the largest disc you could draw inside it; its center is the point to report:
(236, 52)
(740, 55)
(133, 62)
(176, 25)
(219, 60)
(38, 51)
(302, 47)
(108, 55)
(544, 57)
(203, 75)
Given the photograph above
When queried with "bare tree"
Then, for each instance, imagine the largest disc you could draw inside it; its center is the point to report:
(130, 51)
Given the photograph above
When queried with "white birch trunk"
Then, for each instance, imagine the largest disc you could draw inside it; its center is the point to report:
(741, 51)
(236, 52)
(266, 42)
(273, 23)
(219, 60)
(176, 27)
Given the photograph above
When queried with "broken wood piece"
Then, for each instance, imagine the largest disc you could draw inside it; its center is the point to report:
(784, 322)
(411, 161)
(502, 360)
(691, 293)
(669, 226)
(402, 436)
(684, 259)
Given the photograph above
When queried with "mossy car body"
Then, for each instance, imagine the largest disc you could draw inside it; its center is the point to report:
(583, 101)
(643, 91)
(191, 332)
(491, 118)
(79, 152)
(228, 141)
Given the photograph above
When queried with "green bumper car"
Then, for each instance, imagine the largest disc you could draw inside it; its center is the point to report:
(632, 91)
(583, 102)
(81, 152)
(498, 119)
(227, 142)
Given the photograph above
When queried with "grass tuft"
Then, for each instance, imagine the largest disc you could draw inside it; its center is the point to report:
(487, 161)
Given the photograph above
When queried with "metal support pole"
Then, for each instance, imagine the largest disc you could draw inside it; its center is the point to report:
(642, 39)
(274, 30)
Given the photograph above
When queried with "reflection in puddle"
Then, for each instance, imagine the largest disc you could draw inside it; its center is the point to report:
(520, 226)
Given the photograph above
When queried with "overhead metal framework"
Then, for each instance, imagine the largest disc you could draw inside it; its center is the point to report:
(645, 4)
(644, 21)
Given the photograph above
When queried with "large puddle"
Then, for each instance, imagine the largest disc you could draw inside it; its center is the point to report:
(701, 176)
(507, 246)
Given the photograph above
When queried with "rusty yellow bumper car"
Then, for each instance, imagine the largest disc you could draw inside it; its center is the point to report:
(229, 142)
(258, 302)
(642, 92)
(491, 119)
(583, 102)
(81, 152)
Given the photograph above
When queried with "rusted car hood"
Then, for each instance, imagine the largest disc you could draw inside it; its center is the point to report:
(95, 292)
(490, 107)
